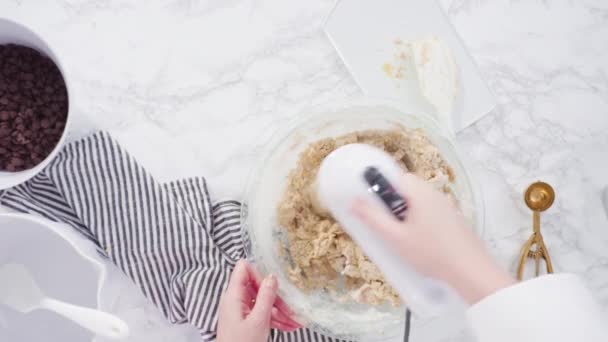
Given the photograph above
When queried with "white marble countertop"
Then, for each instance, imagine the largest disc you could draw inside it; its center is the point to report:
(194, 87)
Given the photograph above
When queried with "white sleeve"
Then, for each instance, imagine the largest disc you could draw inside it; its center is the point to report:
(550, 308)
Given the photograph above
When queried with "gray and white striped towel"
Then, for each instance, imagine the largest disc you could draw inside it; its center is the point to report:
(176, 245)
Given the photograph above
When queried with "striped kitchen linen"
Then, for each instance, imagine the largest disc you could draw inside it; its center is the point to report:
(170, 239)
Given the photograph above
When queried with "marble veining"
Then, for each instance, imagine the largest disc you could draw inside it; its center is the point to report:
(197, 87)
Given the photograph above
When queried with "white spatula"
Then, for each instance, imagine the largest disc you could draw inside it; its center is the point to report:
(19, 291)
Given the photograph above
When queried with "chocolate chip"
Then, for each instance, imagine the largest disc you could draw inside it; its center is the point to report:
(33, 107)
(45, 123)
(4, 131)
(17, 161)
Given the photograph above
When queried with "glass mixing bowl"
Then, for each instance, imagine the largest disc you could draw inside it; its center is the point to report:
(324, 312)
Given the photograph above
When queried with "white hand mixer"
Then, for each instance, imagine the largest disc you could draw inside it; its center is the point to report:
(362, 171)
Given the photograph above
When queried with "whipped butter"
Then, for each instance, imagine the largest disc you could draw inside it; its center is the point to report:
(431, 63)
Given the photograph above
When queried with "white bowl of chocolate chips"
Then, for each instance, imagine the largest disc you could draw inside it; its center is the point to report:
(34, 104)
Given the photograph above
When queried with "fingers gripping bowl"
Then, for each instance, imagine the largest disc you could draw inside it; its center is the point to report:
(266, 239)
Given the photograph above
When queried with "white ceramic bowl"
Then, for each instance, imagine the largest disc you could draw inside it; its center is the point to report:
(65, 265)
(12, 32)
(262, 233)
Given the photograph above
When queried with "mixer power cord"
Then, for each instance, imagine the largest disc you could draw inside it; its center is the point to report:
(408, 318)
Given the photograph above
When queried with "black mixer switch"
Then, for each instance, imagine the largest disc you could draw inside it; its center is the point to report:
(379, 185)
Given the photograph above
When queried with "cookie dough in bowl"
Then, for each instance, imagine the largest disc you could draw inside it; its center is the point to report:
(321, 254)
(323, 275)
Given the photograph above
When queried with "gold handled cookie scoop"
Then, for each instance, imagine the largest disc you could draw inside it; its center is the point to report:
(539, 197)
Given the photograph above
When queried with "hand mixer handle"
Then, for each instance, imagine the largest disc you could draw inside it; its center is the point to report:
(362, 171)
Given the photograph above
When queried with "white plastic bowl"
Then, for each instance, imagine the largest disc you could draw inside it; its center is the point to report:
(12, 32)
(65, 265)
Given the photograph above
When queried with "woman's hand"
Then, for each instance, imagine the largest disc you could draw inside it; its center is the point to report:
(250, 307)
(436, 240)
